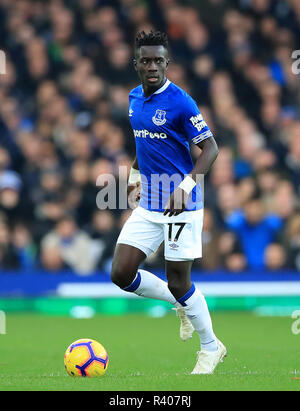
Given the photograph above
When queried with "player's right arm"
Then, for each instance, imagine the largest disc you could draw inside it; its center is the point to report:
(134, 181)
(135, 164)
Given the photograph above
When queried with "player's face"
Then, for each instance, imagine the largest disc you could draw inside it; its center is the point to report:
(151, 63)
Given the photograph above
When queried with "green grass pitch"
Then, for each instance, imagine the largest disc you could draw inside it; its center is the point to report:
(146, 353)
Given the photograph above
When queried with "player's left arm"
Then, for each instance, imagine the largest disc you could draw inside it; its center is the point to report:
(209, 152)
(178, 199)
(196, 130)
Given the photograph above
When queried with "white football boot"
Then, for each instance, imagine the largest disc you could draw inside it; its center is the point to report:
(186, 327)
(208, 360)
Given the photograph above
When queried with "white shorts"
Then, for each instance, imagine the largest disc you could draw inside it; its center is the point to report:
(182, 234)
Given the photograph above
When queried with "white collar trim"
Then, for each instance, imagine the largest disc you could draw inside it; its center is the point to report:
(162, 88)
(166, 85)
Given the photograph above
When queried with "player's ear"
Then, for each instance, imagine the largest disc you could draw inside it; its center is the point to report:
(134, 64)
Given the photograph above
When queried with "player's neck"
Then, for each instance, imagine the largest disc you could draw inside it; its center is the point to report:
(148, 90)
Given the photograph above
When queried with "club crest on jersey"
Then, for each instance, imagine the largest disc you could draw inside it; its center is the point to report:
(159, 118)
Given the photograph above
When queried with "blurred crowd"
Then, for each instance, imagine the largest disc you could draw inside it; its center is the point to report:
(64, 122)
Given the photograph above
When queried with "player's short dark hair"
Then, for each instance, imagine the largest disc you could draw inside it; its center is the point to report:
(154, 38)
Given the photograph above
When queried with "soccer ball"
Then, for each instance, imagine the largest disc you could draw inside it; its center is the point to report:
(86, 358)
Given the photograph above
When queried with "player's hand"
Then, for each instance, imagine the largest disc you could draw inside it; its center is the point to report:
(134, 194)
(176, 203)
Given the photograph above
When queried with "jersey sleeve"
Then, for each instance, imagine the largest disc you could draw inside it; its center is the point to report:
(192, 121)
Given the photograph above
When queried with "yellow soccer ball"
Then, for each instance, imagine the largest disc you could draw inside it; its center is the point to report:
(86, 358)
